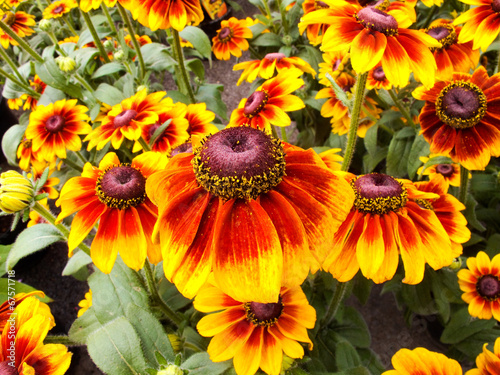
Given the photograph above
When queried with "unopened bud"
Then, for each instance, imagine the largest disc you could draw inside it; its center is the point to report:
(45, 25)
(109, 45)
(119, 55)
(171, 370)
(16, 192)
(66, 64)
(456, 264)
(287, 40)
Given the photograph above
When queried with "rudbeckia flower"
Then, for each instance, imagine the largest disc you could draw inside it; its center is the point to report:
(266, 67)
(487, 362)
(480, 283)
(375, 34)
(388, 219)
(420, 361)
(55, 128)
(58, 8)
(38, 86)
(258, 213)
(332, 159)
(314, 32)
(231, 38)
(460, 118)
(87, 5)
(35, 217)
(449, 171)
(377, 80)
(200, 120)
(85, 303)
(334, 64)
(20, 23)
(255, 334)
(141, 39)
(8, 307)
(268, 104)
(113, 194)
(15, 104)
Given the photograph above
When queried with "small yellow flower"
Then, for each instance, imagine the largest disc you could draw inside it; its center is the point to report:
(16, 192)
(85, 303)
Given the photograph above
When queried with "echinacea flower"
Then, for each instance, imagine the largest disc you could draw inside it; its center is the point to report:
(377, 80)
(258, 213)
(388, 219)
(113, 194)
(480, 283)
(487, 362)
(59, 8)
(421, 361)
(87, 5)
(85, 303)
(16, 192)
(231, 38)
(460, 118)
(268, 104)
(200, 120)
(255, 334)
(266, 67)
(20, 23)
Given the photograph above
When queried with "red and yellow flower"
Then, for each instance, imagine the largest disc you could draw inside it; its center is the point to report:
(232, 37)
(314, 31)
(460, 118)
(480, 283)
(59, 8)
(258, 213)
(20, 23)
(450, 171)
(487, 362)
(255, 334)
(268, 104)
(421, 361)
(113, 194)
(87, 5)
(141, 39)
(8, 307)
(331, 158)
(35, 217)
(334, 64)
(38, 86)
(377, 80)
(200, 120)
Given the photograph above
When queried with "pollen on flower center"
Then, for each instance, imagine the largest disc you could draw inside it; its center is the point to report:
(255, 103)
(378, 194)
(378, 74)
(239, 162)
(495, 6)
(318, 4)
(264, 314)
(225, 34)
(443, 33)
(54, 123)
(461, 105)
(274, 56)
(488, 287)
(121, 187)
(378, 20)
(445, 169)
(124, 118)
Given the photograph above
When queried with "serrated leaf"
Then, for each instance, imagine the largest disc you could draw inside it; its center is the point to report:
(108, 69)
(76, 262)
(10, 142)
(399, 151)
(109, 94)
(11, 287)
(346, 356)
(200, 364)
(198, 39)
(462, 326)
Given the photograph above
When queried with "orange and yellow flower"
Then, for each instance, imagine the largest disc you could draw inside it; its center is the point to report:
(200, 120)
(255, 334)
(334, 64)
(231, 38)
(113, 194)
(15, 104)
(8, 307)
(259, 213)
(59, 8)
(332, 159)
(460, 118)
(268, 104)
(38, 86)
(314, 31)
(87, 5)
(487, 362)
(388, 219)
(377, 80)
(85, 303)
(420, 361)
(450, 171)
(55, 128)
(20, 23)
(480, 283)
(141, 39)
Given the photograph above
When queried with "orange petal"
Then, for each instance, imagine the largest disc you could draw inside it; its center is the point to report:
(367, 49)
(247, 360)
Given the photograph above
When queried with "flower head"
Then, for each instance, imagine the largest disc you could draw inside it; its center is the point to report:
(231, 38)
(334, 64)
(487, 362)
(200, 120)
(20, 23)
(16, 192)
(315, 31)
(59, 8)
(38, 86)
(87, 5)
(377, 80)
(421, 361)
(449, 171)
(85, 303)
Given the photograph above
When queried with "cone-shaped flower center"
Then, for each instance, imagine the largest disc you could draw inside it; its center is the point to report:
(378, 20)
(378, 194)
(54, 123)
(488, 287)
(445, 169)
(58, 9)
(443, 33)
(461, 105)
(9, 18)
(318, 4)
(274, 56)
(121, 187)
(183, 148)
(495, 6)
(225, 34)
(255, 103)
(6, 369)
(239, 162)
(264, 314)
(124, 118)
(378, 74)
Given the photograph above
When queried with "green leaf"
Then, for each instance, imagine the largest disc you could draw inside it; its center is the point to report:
(371, 161)
(470, 213)
(346, 356)
(84, 326)
(339, 92)
(419, 148)
(399, 152)
(312, 55)
(371, 361)
(267, 40)
(198, 39)
(474, 344)
(49, 72)
(11, 140)
(83, 57)
(109, 94)
(353, 328)
(4, 252)
(211, 95)
(31, 240)
(108, 69)
(51, 95)
(159, 131)
(116, 349)
(370, 140)
(9, 287)
(462, 326)
(157, 57)
(79, 260)
(200, 364)
(196, 66)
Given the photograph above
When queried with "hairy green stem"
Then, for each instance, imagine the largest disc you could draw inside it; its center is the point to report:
(464, 184)
(11, 63)
(182, 76)
(25, 46)
(84, 83)
(65, 340)
(70, 26)
(284, 20)
(105, 9)
(332, 309)
(144, 144)
(284, 137)
(95, 36)
(73, 165)
(137, 47)
(27, 88)
(402, 109)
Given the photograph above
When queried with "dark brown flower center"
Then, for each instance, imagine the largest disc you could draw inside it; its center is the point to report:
(461, 105)
(121, 187)
(9, 18)
(225, 34)
(378, 193)
(320, 5)
(264, 314)
(7, 369)
(55, 123)
(255, 103)
(274, 56)
(488, 287)
(239, 162)
(124, 118)
(58, 9)
(182, 149)
(377, 20)
(495, 6)
(443, 33)
(378, 74)
(445, 169)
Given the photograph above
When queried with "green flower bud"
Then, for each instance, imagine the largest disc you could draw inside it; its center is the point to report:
(287, 40)
(171, 370)
(119, 56)
(109, 45)
(16, 192)
(66, 64)
(456, 264)
(45, 25)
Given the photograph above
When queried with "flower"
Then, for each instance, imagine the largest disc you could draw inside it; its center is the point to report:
(266, 67)
(332, 159)
(200, 120)
(487, 362)
(27, 158)
(460, 118)
(48, 186)
(450, 171)
(421, 361)
(481, 23)
(38, 86)
(20, 23)
(66, 63)
(231, 38)
(388, 218)
(56, 127)
(141, 39)
(268, 104)
(8, 307)
(374, 34)
(114, 195)
(59, 8)
(334, 64)
(480, 283)
(255, 334)
(85, 303)
(15, 103)
(377, 80)
(87, 5)
(314, 31)
(258, 213)
(16, 192)
(125, 120)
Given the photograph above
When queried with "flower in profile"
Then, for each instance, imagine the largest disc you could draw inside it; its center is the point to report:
(258, 213)
(334, 64)
(315, 31)
(15, 104)
(332, 159)
(87, 5)
(59, 8)
(16, 192)
(487, 362)
(266, 67)
(126, 120)
(55, 128)
(421, 361)
(450, 171)
(113, 194)
(255, 334)
(141, 39)
(377, 80)
(200, 120)
(231, 38)
(19, 22)
(27, 158)
(38, 86)
(452, 56)
(85, 303)
(48, 186)
(375, 34)
(388, 219)
(460, 118)
(268, 104)
(480, 283)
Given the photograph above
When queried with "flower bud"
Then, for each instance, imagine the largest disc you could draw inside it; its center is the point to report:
(108, 45)
(16, 192)
(287, 40)
(141, 87)
(66, 64)
(456, 264)
(171, 370)
(119, 56)
(45, 25)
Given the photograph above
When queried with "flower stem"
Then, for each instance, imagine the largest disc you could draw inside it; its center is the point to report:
(73, 165)
(70, 26)
(402, 109)
(81, 157)
(464, 184)
(180, 69)
(25, 46)
(137, 47)
(105, 9)
(28, 89)
(284, 137)
(144, 144)
(332, 309)
(150, 279)
(353, 127)
(11, 63)
(65, 340)
(84, 83)
(284, 20)
(95, 36)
